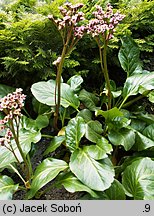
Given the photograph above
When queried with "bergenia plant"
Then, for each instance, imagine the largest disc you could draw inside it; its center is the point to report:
(102, 28)
(104, 151)
(71, 30)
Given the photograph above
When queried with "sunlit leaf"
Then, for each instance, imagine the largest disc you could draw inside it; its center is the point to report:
(138, 179)
(96, 175)
(129, 56)
(75, 82)
(72, 184)
(100, 150)
(134, 83)
(124, 137)
(75, 130)
(44, 173)
(7, 188)
(44, 92)
(93, 131)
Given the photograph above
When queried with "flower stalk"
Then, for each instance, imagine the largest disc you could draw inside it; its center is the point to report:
(102, 28)
(11, 106)
(70, 32)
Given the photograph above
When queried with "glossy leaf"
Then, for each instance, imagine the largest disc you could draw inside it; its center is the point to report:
(138, 179)
(26, 138)
(86, 115)
(68, 98)
(93, 131)
(75, 130)
(134, 83)
(54, 144)
(41, 121)
(96, 175)
(129, 56)
(44, 173)
(138, 124)
(100, 150)
(148, 118)
(7, 188)
(89, 100)
(124, 137)
(72, 184)
(149, 132)
(116, 191)
(44, 92)
(75, 82)
(109, 115)
(142, 142)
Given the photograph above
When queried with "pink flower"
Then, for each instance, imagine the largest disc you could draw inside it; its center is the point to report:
(104, 22)
(71, 19)
(57, 61)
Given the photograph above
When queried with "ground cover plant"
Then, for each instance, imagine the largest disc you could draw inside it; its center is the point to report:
(105, 136)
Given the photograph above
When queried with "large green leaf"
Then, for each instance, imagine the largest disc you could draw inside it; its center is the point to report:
(75, 82)
(115, 118)
(96, 175)
(138, 124)
(44, 92)
(93, 131)
(89, 100)
(4, 90)
(86, 115)
(68, 98)
(7, 188)
(109, 115)
(148, 118)
(149, 132)
(100, 150)
(54, 144)
(75, 130)
(72, 184)
(124, 137)
(142, 142)
(40, 122)
(138, 179)
(129, 56)
(136, 82)
(25, 138)
(116, 191)
(44, 173)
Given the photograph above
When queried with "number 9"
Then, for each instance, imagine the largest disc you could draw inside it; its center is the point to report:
(147, 207)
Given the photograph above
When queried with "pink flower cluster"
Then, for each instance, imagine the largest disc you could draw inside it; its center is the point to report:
(11, 105)
(71, 18)
(7, 138)
(104, 22)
